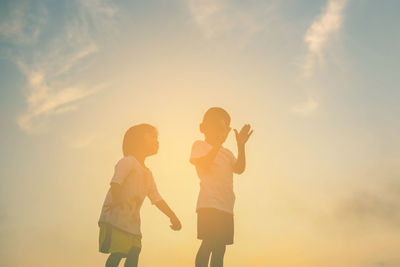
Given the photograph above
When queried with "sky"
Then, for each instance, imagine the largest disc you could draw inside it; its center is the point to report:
(317, 80)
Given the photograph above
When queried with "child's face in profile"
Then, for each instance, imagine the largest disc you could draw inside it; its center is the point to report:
(150, 141)
(216, 130)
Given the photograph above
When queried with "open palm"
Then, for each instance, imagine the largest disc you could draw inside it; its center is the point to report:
(243, 135)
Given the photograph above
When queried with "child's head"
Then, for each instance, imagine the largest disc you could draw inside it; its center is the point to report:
(216, 125)
(140, 139)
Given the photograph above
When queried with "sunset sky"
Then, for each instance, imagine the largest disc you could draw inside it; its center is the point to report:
(317, 80)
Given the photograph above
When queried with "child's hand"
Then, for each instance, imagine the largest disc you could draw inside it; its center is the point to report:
(243, 135)
(175, 223)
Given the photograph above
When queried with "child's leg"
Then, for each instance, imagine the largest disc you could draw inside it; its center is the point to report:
(203, 255)
(133, 257)
(217, 258)
(114, 259)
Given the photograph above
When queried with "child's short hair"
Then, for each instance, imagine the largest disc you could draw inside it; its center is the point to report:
(134, 136)
(216, 112)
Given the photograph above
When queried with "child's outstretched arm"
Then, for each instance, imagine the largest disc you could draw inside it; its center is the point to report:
(241, 139)
(164, 208)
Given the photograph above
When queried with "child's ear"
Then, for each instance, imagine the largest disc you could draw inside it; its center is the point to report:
(201, 127)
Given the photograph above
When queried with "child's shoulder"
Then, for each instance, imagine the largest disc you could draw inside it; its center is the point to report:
(227, 151)
(198, 142)
(127, 162)
(127, 159)
(201, 143)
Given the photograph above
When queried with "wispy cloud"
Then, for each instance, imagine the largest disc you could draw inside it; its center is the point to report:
(366, 207)
(371, 199)
(44, 101)
(321, 32)
(23, 23)
(306, 108)
(83, 141)
(53, 86)
(317, 39)
(216, 18)
(209, 16)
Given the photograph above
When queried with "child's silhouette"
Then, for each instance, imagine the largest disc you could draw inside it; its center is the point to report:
(215, 166)
(119, 221)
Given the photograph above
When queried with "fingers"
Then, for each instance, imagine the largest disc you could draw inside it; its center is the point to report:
(175, 224)
(175, 227)
(246, 127)
(245, 132)
(251, 132)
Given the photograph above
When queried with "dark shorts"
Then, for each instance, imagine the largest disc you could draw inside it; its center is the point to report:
(215, 225)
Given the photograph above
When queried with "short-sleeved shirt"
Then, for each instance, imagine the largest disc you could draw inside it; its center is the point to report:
(136, 182)
(216, 183)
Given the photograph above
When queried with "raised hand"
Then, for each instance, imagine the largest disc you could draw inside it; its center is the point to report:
(243, 135)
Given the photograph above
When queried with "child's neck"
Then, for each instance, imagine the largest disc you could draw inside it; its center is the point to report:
(210, 141)
(140, 158)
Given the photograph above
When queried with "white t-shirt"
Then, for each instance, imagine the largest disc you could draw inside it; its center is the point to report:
(216, 183)
(136, 182)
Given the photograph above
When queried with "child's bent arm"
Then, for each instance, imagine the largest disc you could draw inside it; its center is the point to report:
(205, 162)
(241, 139)
(164, 208)
(116, 193)
(240, 164)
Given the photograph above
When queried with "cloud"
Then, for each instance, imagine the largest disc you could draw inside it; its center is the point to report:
(306, 108)
(368, 203)
(366, 207)
(372, 203)
(209, 16)
(317, 39)
(99, 9)
(216, 18)
(87, 50)
(83, 141)
(44, 101)
(23, 23)
(321, 31)
(52, 70)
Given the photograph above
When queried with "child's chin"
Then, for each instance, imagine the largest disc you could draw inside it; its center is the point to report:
(222, 139)
(153, 152)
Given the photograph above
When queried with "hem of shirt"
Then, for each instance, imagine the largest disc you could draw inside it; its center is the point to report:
(213, 207)
(119, 228)
(115, 182)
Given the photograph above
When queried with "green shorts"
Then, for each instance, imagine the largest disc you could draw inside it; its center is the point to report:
(113, 240)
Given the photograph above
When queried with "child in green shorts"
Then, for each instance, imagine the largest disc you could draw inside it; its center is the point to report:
(119, 221)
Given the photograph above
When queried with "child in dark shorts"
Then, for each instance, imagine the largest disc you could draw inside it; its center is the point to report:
(215, 166)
